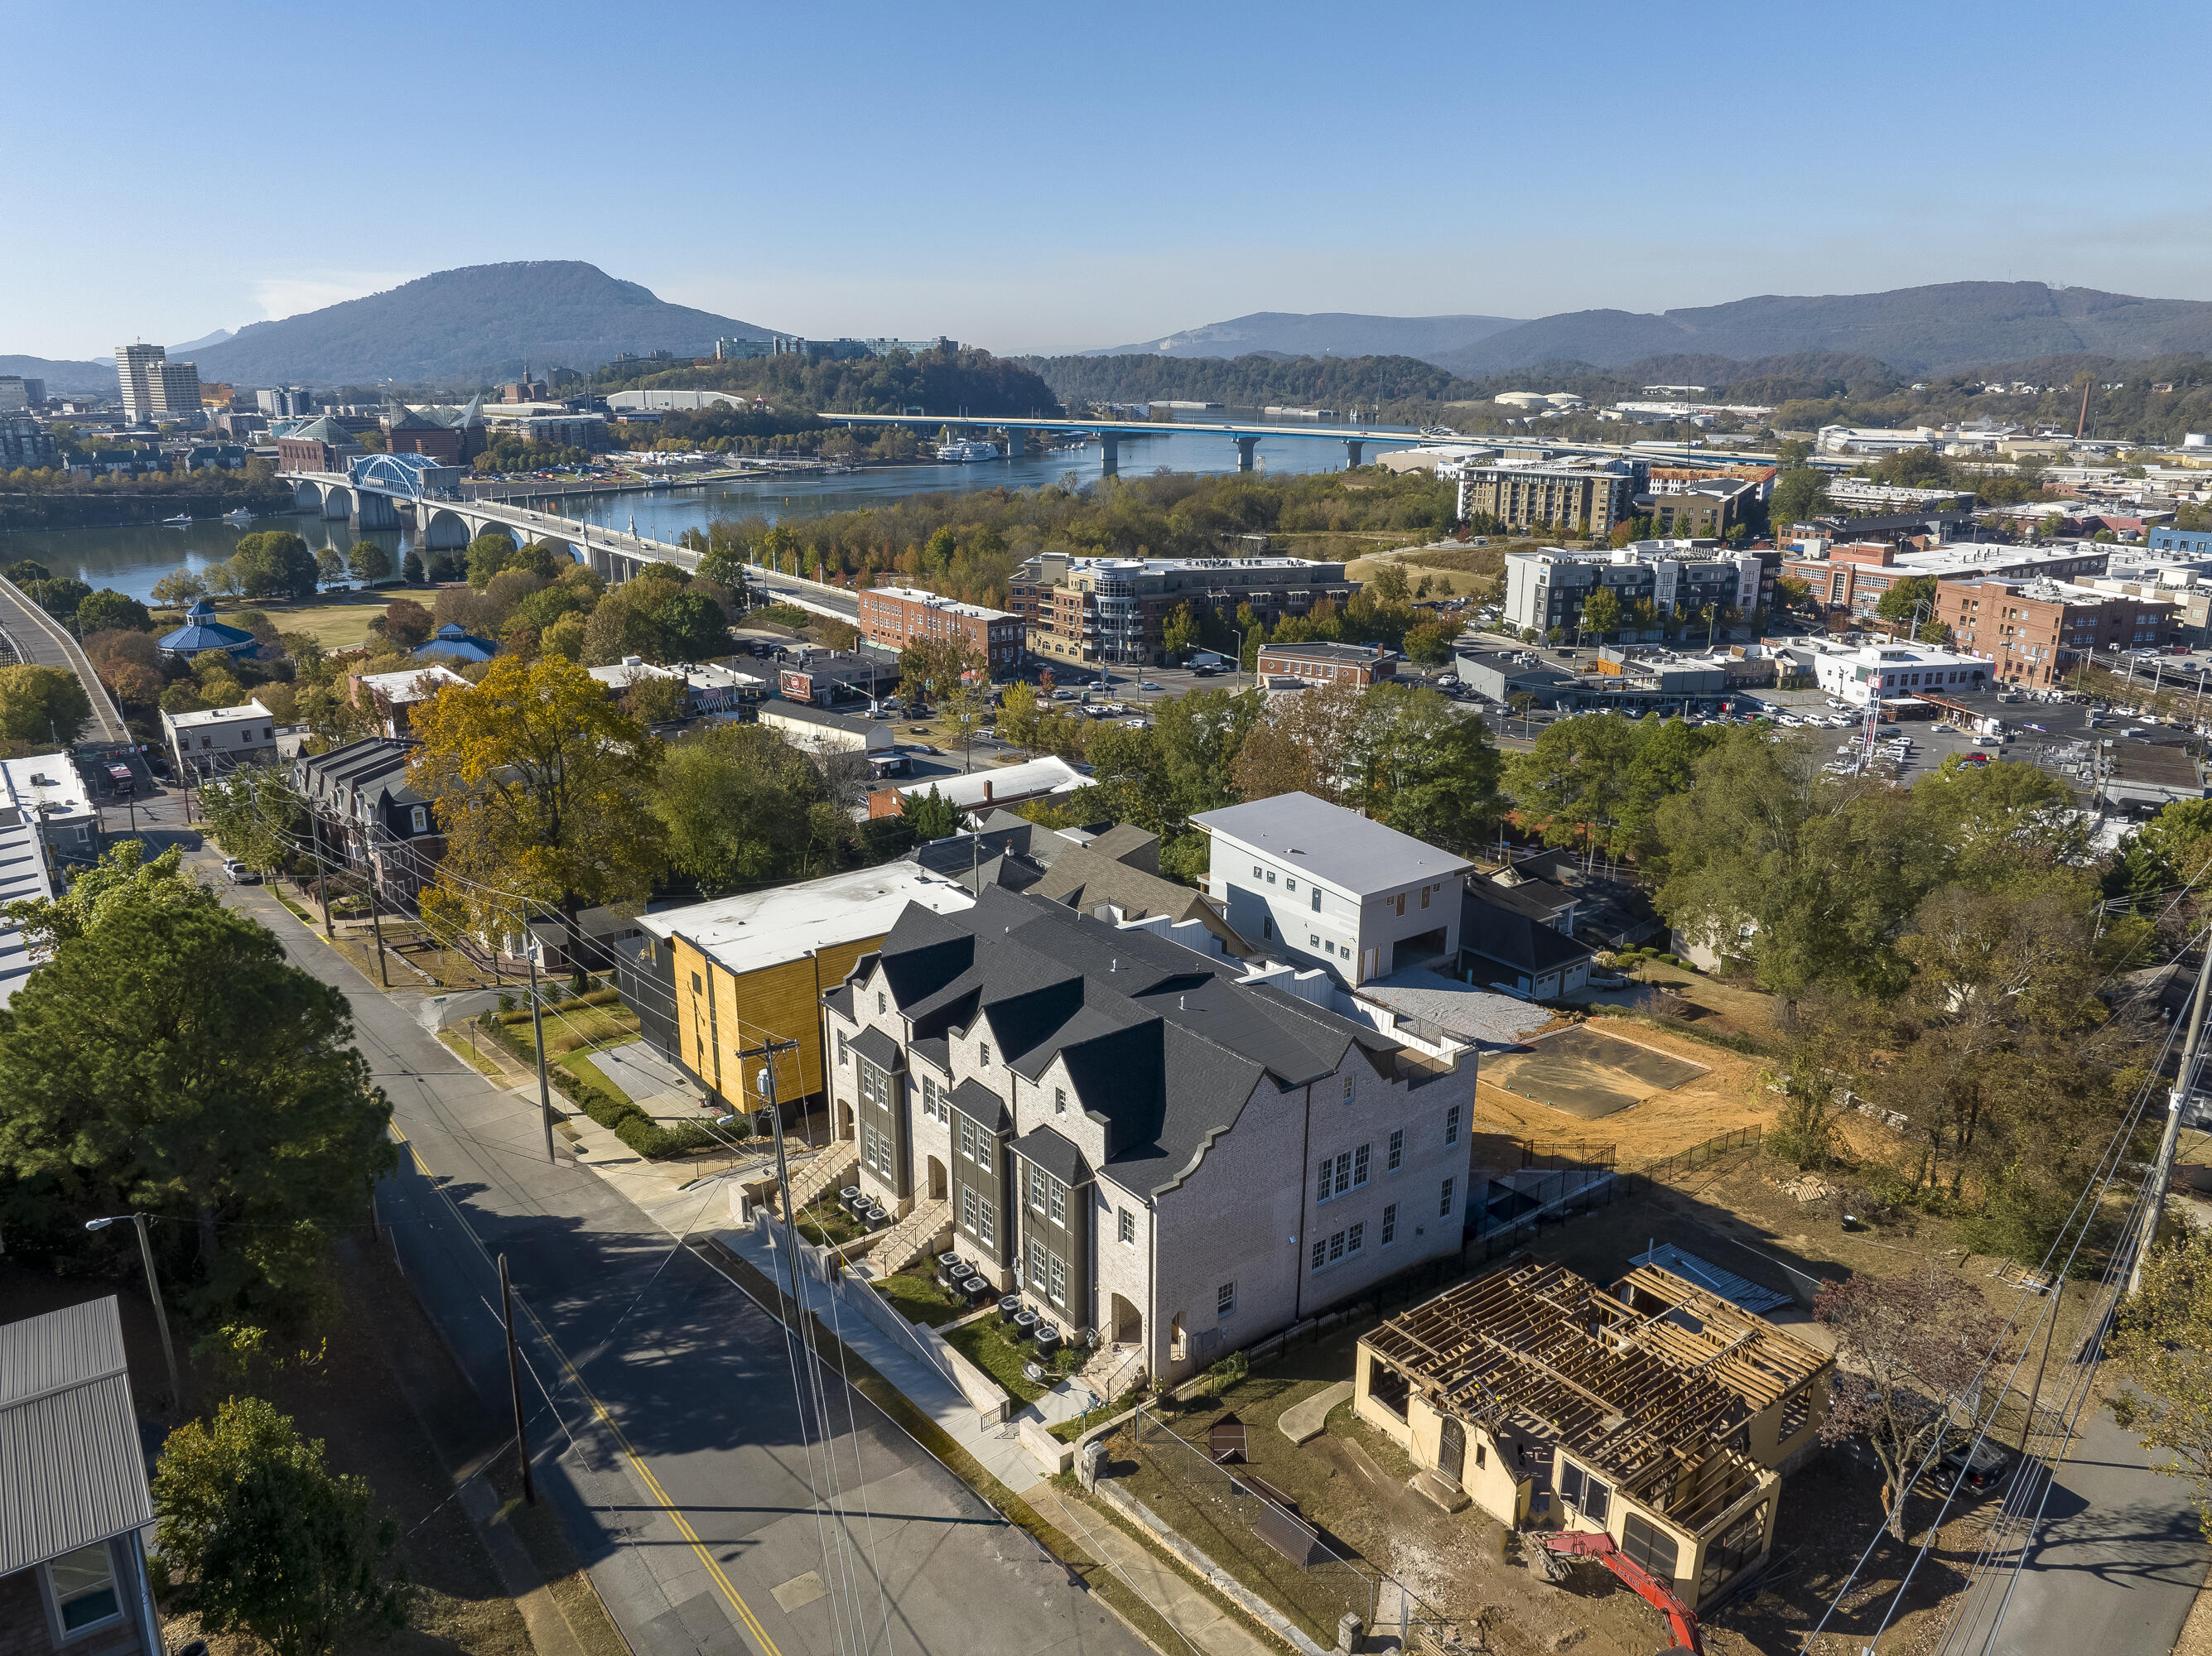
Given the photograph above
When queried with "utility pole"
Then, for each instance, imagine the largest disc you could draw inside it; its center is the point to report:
(514, 1383)
(322, 873)
(154, 1292)
(537, 1035)
(2161, 1169)
(766, 1051)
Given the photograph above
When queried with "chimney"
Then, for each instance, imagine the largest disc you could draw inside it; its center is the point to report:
(987, 790)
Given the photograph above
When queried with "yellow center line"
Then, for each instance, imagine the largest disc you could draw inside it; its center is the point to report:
(645, 1473)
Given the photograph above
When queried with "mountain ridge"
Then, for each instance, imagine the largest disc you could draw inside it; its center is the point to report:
(1319, 333)
(467, 325)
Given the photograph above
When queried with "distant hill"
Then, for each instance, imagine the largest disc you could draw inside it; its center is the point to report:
(1935, 329)
(467, 326)
(204, 342)
(64, 379)
(1324, 333)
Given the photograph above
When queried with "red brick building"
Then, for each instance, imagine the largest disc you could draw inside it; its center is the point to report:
(321, 444)
(2035, 632)
(895, 616)
(1329, 664)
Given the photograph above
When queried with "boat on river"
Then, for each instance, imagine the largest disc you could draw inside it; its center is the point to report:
(967, 449)
(182, 520)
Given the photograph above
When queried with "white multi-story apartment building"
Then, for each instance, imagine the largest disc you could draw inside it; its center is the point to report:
(1549, 589)
(1159, 1148)
(219, 740)
(1324, 887)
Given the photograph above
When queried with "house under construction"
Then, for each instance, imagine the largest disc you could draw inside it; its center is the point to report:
(1659, 1412)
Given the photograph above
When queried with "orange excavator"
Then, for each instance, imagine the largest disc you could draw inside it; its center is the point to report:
(1559, 1545)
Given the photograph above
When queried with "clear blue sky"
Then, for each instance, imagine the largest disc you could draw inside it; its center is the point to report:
(1054, 177)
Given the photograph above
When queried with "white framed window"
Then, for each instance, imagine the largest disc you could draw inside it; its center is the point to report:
(1343, 1173)
(1355, 1236)
(1349, 1081)
(967, 1139)
(1336, 1247)
(984, 1142)
(987, 1224)
(1451, 1125)
(1056, 1279)
(879, 1002)
(1224, 1302)
(1060, 1101)
(85, 1594)
(1057, 1194)
(1397, 1157)
(844, 1047)
(1359, 1166)
(1319, 1254)
(1125, 1227)
(1390, 1223)
(1035, 1183)
(968, 1208)
(984, 1055)
(1324, 1177)
(420, 816)
(1445, 1201)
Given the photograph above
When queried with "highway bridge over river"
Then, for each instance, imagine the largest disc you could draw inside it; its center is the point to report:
(372, 496)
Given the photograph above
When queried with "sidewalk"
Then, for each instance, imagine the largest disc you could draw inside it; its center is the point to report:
(997, 1448)
(1203, 1625)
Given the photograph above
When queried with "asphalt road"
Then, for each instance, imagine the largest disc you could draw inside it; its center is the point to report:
(35, 638)
(2114, 1571)
(665, 1419)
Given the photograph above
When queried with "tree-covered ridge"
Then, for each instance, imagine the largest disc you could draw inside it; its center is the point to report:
(968, 545)
(950, 380)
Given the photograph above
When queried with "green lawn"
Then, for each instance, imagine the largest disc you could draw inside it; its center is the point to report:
(917, 1297)
(986, 1344)
(580, 1065)
(824, 1223)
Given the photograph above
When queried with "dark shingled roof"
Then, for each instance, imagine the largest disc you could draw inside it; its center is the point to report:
(1163, 1045)
(1513, 938)
(1055, 1154)
(879, 1049)
(979, 1103)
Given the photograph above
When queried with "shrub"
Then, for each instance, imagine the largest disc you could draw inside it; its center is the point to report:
(648, 1138)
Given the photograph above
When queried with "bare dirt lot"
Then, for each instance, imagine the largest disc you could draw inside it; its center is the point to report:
(1723, 1093)
(1589, 1073)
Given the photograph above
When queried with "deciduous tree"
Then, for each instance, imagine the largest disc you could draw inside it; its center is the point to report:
(268, 1541)
(742, 807)
(43, 705)
(1908, 1350)
(2163, 1343)
(368, 563)
(109, 611)
(541, 784)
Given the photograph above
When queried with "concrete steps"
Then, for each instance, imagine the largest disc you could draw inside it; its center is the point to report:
(911, 1238)
(835, 1168)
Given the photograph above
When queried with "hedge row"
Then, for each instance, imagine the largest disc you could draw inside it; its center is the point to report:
(628, 1123)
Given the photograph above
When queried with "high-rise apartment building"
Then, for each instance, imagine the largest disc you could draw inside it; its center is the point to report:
(285, 401)
(153, 385)
(134, 366)
(17, 393)
(1114, 610)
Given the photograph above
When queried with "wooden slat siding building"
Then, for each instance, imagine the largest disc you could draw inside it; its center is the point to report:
(1658, 1412)
(713, 979)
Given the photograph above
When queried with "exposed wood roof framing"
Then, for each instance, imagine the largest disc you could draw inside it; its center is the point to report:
(1649, 1392)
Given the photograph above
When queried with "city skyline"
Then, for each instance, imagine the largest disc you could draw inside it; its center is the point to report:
(1049, 195)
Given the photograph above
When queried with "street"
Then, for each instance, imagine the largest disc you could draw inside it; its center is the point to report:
(667, 1418)
(2114, 1572)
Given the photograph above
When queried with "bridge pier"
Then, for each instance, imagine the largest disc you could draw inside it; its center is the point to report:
(373, 511)
(1017, 442)
(1354, 447)
(1110, 443)
(1244, 447)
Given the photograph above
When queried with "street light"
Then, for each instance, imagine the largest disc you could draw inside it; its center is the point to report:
(154, 1288)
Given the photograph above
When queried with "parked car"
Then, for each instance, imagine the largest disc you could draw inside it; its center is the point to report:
(1975, 1469)
(239, 874)
(1146, 684)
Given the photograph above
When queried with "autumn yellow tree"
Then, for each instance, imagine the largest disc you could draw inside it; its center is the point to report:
(540, 781)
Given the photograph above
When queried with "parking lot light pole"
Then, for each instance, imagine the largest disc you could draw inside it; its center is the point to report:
(154, 1290)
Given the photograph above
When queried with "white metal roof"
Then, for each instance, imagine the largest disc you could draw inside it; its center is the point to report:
(767, 928)
(250, 712)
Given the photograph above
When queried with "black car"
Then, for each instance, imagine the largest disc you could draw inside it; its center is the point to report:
(1975, 1469)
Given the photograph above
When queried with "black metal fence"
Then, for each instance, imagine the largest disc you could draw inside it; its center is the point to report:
(1698, 1155)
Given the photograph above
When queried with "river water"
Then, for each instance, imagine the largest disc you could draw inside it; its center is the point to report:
(131, 560)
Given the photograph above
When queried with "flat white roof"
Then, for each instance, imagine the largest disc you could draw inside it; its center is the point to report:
(409, 686)
(49, 779)
(939, 601)
(252, 710)
(1046, 775)
(767, 928)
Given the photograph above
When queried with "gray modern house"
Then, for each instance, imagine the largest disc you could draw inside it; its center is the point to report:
(73, 1493)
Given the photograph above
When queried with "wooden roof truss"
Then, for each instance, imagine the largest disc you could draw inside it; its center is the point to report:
(1640, 1397)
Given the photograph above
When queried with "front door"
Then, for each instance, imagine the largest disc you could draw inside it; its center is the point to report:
(1451, 1448)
